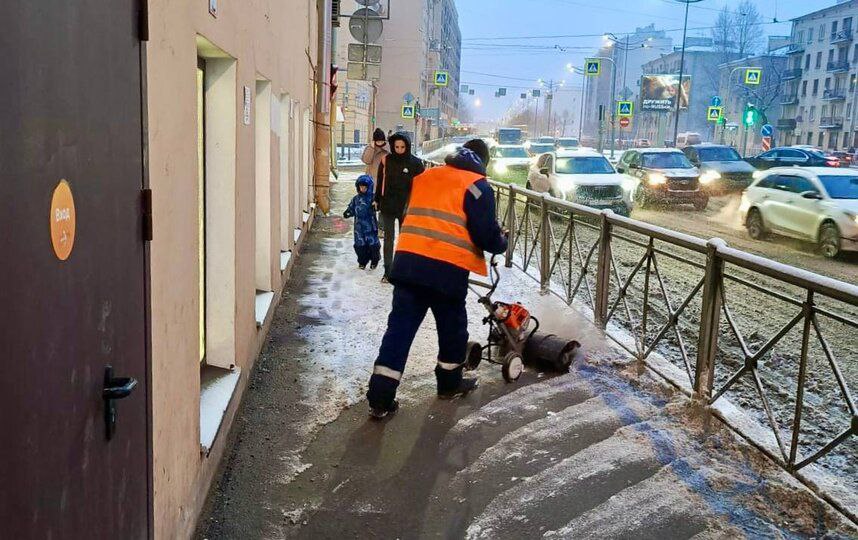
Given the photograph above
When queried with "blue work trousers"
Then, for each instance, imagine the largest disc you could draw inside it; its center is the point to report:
(410, 304)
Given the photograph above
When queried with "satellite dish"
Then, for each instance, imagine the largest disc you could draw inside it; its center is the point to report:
(365, 25)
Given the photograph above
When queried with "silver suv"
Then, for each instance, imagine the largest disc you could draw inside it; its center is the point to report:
(818, 204)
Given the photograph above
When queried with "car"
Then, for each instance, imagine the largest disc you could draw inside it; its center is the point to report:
(816, 204)
(509, 163)
(546, 140)
(460, 139)
(642, 143)
(687, 139)
(721, 164)
(567, 142)
(537, 149)
(785, 156)
(664, 175)
(581, 176)
(844, 157)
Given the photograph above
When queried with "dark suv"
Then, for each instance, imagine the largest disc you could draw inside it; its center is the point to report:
(664, 175)
(722, 166)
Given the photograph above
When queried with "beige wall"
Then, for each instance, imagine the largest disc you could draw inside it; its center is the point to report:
(269, 39)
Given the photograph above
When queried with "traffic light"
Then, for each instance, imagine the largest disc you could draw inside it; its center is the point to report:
(749, 117)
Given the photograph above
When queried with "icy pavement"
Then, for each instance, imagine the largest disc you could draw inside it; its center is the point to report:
(604, 451)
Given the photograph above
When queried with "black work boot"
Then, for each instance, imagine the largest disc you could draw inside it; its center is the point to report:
(466, 385)
(378, 413)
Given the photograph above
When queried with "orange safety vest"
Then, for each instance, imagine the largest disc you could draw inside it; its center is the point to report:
(435, 223)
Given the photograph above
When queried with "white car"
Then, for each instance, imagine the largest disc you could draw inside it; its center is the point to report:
(818, 204)
(509, 163)
(584, 177)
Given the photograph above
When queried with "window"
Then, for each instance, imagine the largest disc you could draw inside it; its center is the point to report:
(584, 165)
(845, 139)
(827, 83)
(803, 88)
(821, 34)
(843, 54)
(809, 138)
(796, 184)
(818, 60)
(833, 28)
(819, 140)
(666, 160)
(815, 86)
(840, 187)
(852, 80)
(768, 182)
(810, 35)
(848, 113)
(824, 111)
(812, 114)
(799, 37)
(801, 111)
(807, 60)
(847, 24)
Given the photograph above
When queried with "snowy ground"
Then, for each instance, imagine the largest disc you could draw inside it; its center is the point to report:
(606, 450)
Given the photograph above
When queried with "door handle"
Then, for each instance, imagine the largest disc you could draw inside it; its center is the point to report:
(114, 388)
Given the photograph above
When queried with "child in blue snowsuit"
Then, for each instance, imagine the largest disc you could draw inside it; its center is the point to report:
(367, 245)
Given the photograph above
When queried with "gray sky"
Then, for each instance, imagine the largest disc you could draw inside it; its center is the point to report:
(483, 21)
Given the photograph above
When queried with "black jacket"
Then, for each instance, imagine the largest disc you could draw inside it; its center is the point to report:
(395, 176)
(442, 277)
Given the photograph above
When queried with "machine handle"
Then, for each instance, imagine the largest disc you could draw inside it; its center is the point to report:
(114, 388)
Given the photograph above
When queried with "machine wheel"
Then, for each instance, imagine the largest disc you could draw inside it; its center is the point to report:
(473, 356)
(829, 240)
(700, 205)
(513, 366)
(755, 225)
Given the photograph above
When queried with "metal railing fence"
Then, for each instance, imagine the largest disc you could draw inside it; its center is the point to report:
(626, 274)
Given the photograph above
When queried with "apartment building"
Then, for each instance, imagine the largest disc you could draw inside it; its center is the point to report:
(819, 95)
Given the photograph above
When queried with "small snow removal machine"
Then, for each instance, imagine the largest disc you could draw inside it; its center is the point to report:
(513, 341)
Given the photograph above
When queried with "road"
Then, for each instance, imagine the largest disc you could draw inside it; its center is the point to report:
(721, 219)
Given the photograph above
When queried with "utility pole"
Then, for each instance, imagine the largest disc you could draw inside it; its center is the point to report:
(551, 86)
(323, 109)
(681, 69)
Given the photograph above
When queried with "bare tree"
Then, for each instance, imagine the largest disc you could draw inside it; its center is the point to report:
(722, 33)
(747, 29)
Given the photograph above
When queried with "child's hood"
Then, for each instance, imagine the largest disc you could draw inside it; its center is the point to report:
(364, 180)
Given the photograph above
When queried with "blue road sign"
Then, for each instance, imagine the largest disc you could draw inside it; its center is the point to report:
(593, 67)
(767, 130)
(442, 78)
(716, 101)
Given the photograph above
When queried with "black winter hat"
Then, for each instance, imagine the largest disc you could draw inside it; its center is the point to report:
(479, 147)
(378, 135)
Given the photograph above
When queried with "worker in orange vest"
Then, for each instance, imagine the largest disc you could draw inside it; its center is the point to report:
(449, 224)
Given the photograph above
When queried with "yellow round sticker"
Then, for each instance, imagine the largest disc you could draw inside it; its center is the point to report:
(62, 220)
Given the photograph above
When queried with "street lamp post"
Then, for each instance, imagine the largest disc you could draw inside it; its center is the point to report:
(579, 71)
(613, 95)
(681, 69)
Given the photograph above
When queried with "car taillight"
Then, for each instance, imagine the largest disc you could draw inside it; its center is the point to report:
(833, 162)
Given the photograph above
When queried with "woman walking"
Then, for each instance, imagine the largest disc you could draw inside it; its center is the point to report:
(395, 175)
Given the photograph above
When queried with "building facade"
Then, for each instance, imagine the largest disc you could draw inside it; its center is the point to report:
(819, 86)
(180, 154)
(702, 67)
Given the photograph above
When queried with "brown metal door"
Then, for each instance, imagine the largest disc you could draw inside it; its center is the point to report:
(70, 109)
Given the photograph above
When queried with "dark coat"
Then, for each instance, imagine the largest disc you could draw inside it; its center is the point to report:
(442, 277)
(366, 222)
(395, 175)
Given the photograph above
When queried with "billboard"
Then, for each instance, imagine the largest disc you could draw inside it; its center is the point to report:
(658, 92)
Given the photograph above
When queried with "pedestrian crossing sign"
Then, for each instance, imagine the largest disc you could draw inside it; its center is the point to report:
(713, 114)
(625, 109)
(753, 76)
(408, 111)
(593, 67)
(442, 78)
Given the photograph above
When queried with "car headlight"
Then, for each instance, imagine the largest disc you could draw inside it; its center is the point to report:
(566, 185)
(501, 168)
(756, 175)
(656, 179)
(709, 176)
(852, 216)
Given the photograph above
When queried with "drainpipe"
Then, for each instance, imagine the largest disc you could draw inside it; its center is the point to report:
(322, 113)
